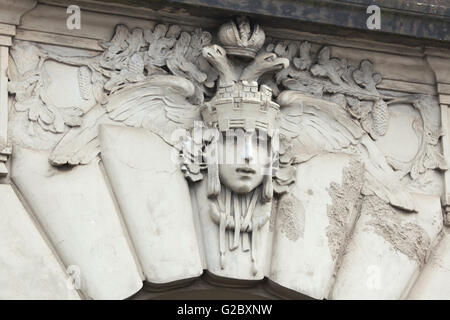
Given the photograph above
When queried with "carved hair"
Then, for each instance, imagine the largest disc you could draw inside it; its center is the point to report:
(213, 171)
(214, 186)
(267, 193)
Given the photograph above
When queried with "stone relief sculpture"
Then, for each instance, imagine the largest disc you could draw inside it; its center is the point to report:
(4, 153)
(282, 102)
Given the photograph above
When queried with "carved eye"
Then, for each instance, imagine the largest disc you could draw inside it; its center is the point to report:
(219, 51)
(270, 58)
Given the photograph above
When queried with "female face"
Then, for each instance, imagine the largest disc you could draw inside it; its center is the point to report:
(244, 158)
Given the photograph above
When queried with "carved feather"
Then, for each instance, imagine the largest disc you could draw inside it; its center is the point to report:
(73, 147)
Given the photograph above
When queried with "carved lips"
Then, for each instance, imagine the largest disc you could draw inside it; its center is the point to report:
(246, 170)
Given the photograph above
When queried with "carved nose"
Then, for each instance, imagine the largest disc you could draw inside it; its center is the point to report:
(248, 151)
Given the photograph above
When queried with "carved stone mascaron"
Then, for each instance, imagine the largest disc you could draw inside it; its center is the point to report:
(137, 154)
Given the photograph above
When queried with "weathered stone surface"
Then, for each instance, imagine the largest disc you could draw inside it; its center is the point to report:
(12, 11)
(154, 198)
(28, 267)
(345, 120)
(387, 250)
(76, 210)
(396, 15)
(434, 280)
(305, 257)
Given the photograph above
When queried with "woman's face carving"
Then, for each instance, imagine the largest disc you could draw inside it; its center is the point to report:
(244, 158)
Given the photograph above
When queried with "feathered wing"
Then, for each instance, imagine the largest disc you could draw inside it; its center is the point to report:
(318, 126)
(80, 145)
(158, 104)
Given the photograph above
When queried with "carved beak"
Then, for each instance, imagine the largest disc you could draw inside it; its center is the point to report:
(275, 63)
(212, 52)
(264, 63)
(281, 63)
(207, 53)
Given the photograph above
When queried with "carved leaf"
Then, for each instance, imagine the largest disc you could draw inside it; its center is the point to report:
(118, 42)
(304, 61)
(354, 107)
(365, 77)
(326, 67)
(174, 31)
(136, 65)
(199, 39)
(324, 56)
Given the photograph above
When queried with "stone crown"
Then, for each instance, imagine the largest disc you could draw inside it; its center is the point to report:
(242, 105)
(240, 40)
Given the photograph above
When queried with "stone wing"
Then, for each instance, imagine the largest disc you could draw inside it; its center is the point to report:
(158, 104)
(317, 126)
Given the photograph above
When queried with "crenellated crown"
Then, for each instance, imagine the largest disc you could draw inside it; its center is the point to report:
(242, 105)
(239, 39)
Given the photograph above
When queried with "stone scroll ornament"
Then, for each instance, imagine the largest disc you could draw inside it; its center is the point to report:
(166, 80)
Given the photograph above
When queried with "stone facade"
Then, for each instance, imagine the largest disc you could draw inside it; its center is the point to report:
(109, 135)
